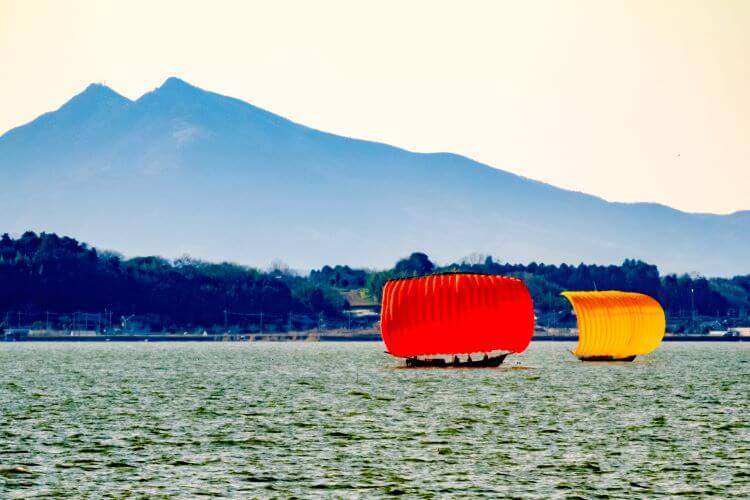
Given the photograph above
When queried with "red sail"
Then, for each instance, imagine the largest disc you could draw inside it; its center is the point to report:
(448, 314)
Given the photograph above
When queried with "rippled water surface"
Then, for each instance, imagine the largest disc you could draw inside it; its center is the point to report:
(342, 420)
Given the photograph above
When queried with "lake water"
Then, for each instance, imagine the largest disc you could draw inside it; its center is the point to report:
(343, 420)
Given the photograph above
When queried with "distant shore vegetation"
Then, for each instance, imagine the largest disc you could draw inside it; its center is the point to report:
(43, 273)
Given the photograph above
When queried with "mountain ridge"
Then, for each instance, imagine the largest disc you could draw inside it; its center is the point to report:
(189, 156)
(173, 82)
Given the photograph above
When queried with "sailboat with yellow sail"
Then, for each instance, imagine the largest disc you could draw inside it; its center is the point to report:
(616, 326)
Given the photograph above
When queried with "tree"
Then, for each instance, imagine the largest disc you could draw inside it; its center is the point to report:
(417, 264)
(376, 282)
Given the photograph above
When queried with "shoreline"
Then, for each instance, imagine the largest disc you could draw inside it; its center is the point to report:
(309, 337)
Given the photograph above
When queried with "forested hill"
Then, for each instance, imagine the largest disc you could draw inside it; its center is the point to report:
(181, 169)
(46, 272)
(50, 273)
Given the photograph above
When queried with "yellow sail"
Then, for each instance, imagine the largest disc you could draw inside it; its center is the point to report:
(617, 325)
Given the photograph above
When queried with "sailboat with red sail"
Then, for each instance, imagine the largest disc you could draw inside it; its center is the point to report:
(456, 319)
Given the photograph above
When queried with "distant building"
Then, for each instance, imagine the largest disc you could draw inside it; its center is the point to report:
(355, 300)
(83, 333)
(363, 310)
(731, 332)
(742, 331)
(12, 334)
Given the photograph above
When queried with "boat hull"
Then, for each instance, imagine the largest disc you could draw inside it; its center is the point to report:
(485, 362)
(605, 358)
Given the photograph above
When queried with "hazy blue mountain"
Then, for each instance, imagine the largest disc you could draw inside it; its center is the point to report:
(186, 171)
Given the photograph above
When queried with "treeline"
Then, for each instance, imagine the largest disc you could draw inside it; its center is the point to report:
(679, 295)
(46, 272)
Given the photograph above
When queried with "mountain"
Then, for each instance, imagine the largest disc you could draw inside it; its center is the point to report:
(185, 171)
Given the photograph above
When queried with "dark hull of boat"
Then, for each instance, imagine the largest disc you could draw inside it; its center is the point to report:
(606, 358)
(493, 362)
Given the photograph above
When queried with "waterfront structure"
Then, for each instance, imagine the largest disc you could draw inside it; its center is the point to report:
(616, 326)
(456, 319)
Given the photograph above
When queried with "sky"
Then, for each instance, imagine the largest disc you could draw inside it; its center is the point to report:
(627, 100)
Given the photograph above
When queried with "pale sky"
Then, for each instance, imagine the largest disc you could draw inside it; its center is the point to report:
(628, 100)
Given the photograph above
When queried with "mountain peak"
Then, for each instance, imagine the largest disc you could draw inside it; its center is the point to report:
(96, 95)
(173, 84)
(174, 89)
(99, 91)
(98, 87)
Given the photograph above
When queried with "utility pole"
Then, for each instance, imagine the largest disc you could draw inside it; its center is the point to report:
(289, 328)
(225, 320)
(692, 305)
(261, 322)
